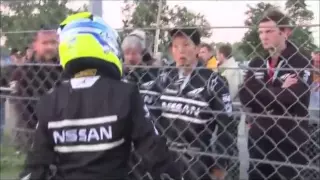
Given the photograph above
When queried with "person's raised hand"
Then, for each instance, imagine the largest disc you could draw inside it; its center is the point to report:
(290, 80)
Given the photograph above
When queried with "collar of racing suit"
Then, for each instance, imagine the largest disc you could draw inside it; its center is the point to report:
(90, 66)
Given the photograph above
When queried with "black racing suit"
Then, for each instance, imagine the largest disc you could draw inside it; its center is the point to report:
(189, 111)
(86, 128)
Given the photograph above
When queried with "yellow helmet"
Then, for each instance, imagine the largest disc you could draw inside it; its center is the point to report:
(87, 42)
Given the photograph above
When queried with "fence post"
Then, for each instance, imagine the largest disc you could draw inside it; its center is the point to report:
(2, 120)
(95, 7)
(156, 38)
(11, 117)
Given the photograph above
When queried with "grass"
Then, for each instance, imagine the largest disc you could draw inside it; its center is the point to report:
(11, 162)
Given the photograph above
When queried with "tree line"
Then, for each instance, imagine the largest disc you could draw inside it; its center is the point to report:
(33, 15)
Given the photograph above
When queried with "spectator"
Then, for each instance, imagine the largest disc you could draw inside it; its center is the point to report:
(275, 93)
(13, 55)
(5, 73)
(206, 56)
(182, 93)
(314, 109)
(315, 88)
(28, 52)
(19, 58)
(136, 49)
(230, 69)
(31, 82)
(136, 52)
(45, 46)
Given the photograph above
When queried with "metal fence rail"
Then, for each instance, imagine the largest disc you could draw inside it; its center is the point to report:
(265, 133)
(19, 124)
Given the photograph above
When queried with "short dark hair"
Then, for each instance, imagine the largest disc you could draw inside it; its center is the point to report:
(43, 29)
(193, 34)
(14, 51)
(226, 50)
(206, 45)
(276, 16)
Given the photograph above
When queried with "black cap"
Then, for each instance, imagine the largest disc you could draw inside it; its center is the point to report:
(193, 34)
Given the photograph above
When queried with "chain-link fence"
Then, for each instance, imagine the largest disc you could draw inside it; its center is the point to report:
(20, 122)
(268, 122)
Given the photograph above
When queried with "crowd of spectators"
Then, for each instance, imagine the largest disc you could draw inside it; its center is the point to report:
(20, 57)
(33, 81)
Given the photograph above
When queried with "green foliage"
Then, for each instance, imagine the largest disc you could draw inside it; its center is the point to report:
(302, 37)
(182, 17)
(26, 17)
(4, 51)
(298, 13)
(237, 52)
(11, 162)
(143, 14)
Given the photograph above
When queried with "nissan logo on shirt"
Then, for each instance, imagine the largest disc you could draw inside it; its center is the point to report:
(82, 134)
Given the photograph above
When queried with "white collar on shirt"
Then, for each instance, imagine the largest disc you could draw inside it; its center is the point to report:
(181, 71)
(187, 78)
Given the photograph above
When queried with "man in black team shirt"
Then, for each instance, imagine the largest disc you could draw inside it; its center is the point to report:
(194, 102)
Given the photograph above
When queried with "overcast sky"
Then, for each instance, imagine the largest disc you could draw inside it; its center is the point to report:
(225, 13)
(229, 14)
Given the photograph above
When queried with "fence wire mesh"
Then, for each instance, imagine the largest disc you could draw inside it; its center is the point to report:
(270, 134)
